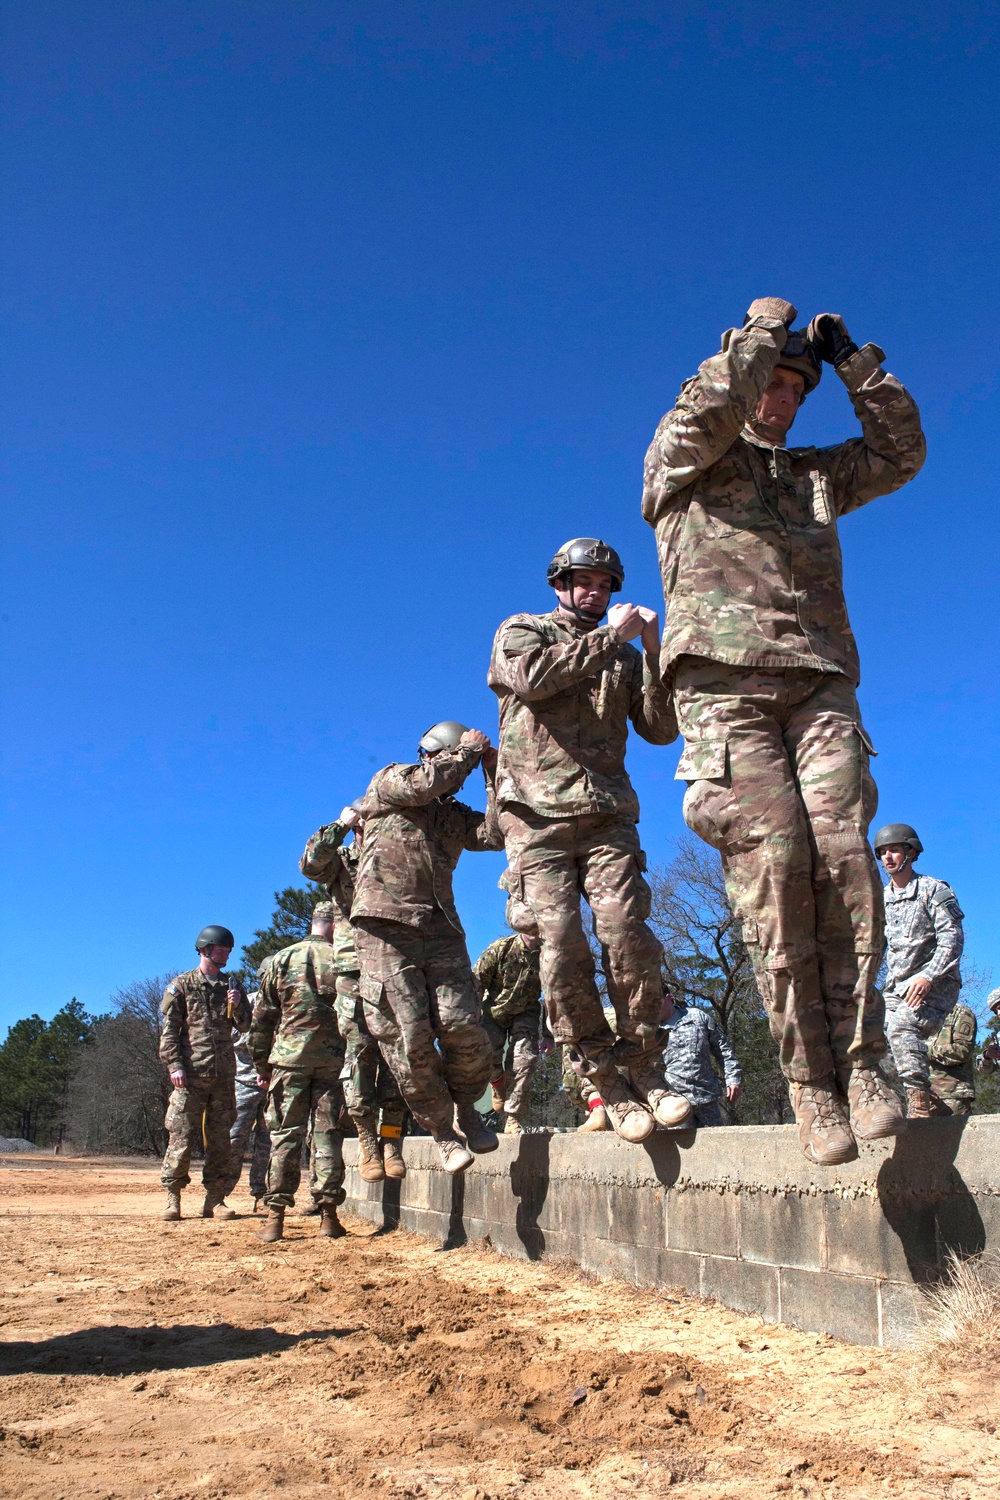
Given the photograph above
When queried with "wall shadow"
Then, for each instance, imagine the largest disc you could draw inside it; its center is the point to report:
(456, 1235)
(664, 1148)
(118, 1350)
(529, 1183)
(390, 1205)
(925, 1200)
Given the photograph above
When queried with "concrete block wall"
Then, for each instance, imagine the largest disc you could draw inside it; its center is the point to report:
(737, 1214)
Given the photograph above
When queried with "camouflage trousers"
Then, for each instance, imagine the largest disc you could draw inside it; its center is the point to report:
(203, 1111)
(552, 862)
(708, 1116)
(370, 1091)
(777, 769)
(910, 1030)
(251, 1107)
(515, 1054)
(299, 1097)
(422, 1008)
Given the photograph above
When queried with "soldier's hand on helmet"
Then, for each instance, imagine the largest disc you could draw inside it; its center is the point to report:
(476, 739)
(774, 308)
(650, 630)
(179, 1078)
(829, 337)
(349, 816)
(626, 621)
(917, 993)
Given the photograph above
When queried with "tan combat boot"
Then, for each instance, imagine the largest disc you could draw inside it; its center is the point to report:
(392, 1157)
(274, 1228)
(512, 1126)
(875, 1110)
(597, 1119)
(824, 1131)
(370, 1168)
(919, 1104)
(172, 1212)
(648, 1084)
(478, 1135)
(497, 1096)
(330, 1227)
(214, 1208)
(455, 1155)
(629, 1119)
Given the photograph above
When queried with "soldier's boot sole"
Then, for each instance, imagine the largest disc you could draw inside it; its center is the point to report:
(825, 1134)
(274, 1228)
(330, 1227)
(597, 1120)
(392, 1159)
(875, 1110)
(172, 1212)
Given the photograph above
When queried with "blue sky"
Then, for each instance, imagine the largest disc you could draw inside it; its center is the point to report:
(325, 324)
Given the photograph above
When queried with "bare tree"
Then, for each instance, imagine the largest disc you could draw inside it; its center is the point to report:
(118, 1097)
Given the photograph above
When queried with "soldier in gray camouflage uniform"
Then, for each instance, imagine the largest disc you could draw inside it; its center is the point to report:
(764, 668)
(693, 1037)
(420, 998)
(923, 923)
(201, 1011)
(510, 989)
(568, 688)
(371, 1093)
(250, 1122)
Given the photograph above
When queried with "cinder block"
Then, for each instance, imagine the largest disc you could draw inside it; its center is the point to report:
(608, 1258)
(741, 1284)
(703, 1219)
(903, 1312)
(820, 1302)
(657, 1267)
(862, 1241)
(782, 1229)
(636, 1216)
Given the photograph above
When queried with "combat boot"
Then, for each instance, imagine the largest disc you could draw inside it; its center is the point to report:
(919, 1104)
(497, 1096)
(370, 1168)
(274, 1228)
(875, 1109)
(478, 1136)
(455, 1156)
(648, 1082)
(330, 1227)
(824, 1131)
(629, 1119)
(512, 1126)
(597, 1119)
(214, 1208)
(172, 1211)
(392, 1158)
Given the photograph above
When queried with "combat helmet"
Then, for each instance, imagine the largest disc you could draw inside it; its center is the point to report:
(898, 833)
(442, 736)
(214, 937)
(587, 552)
(799, 354)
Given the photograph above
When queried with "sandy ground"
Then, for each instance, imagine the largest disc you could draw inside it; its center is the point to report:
(140, 1359)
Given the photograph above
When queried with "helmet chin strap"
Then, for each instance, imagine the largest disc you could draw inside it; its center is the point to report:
(585, 617)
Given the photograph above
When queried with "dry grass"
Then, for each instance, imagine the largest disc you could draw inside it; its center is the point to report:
(964, 1311)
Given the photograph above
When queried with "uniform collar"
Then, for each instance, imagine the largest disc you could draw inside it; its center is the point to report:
(749, 435)
(907, 893)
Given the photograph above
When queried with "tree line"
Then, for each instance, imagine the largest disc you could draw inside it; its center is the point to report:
(96, 1082)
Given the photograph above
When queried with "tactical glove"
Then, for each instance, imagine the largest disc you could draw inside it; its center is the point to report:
(830, 338)
(774, 308)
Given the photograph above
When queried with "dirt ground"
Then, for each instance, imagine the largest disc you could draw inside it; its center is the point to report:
(140, 1359)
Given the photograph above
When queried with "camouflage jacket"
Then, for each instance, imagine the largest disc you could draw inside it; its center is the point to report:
(566, 697)
(691, 1038)
(923, 930)
(747, 533)
(246, 1068)
(295, 1017)
(415, 832)
(197, 1031)
(334, 865)
(507, 978)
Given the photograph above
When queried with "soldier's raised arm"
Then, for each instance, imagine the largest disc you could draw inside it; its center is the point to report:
(439, 773)
(652, 707)
(714, 404)
(321, 858)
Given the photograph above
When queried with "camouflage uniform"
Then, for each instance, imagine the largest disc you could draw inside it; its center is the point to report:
(568, 813)
(510, 989)
(197, 1038)
(692, 1037)
(924, 932)
(295, 1036)
(251, 1108)
(371, 1094)
(765, 667)
(416, 979)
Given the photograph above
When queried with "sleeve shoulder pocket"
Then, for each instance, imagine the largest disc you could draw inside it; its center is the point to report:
(702, 760)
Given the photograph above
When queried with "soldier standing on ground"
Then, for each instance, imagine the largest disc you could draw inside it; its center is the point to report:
(990, 1060)
(510, 989)
(420, 998)
(568, 688)
(297, 1046)
(371, 1094)
(201, 1010)
(249, 1125)
(764, 669)
(931, 1035)
(693, 1037)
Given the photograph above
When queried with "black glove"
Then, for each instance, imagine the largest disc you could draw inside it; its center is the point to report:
(830, 338)
(775, 308)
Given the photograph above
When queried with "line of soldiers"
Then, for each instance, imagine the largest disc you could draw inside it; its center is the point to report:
(757, 668)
